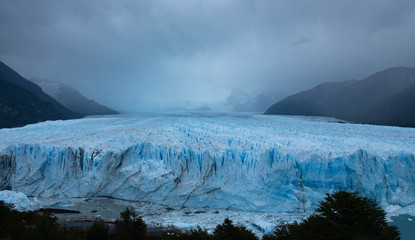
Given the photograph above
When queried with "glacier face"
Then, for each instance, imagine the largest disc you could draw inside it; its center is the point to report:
(235, 161)
(19, 201)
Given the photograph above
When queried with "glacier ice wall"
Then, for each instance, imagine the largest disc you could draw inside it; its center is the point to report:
(196, 166)
(19, 201)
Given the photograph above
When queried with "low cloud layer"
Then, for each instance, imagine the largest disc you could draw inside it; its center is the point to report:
(128, 54)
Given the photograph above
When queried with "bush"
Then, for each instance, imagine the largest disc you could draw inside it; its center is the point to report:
(200, 234)
(342, 215)
(11, 223)
(227, 231)
(98, 231)
(130, 226)
(26, 225)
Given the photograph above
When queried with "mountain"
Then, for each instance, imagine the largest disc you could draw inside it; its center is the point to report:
(235, 161)
(19, 107)
(72, 99)
(384, 98)
(23, 102)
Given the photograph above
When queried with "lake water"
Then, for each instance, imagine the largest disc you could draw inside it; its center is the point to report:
(406, 225)
(156, 215)
(188, 218)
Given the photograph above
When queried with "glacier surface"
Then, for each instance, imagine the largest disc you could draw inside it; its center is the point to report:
(229, 161)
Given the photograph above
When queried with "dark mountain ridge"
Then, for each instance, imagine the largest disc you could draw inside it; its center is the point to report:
(384, 98)
(13, 77)
(23, 102)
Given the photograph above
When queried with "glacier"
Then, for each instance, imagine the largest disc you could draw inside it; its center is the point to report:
(229, 161)
(19, 201)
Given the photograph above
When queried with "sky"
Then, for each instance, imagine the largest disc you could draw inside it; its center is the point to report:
(129, 54)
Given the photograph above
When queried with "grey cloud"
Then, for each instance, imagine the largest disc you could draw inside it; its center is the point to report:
(131, 53)
(301, 41)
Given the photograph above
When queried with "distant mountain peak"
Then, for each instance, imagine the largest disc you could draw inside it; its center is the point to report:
(50, 87)
(72, 98)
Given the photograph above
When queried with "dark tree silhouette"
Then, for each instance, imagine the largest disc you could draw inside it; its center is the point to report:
(130, 226)
(342, 215)
(98, 231)
(26, 225)
(228, 231)
(199, 234)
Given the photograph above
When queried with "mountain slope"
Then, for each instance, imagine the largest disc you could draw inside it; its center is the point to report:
(72, 99)
(396, 109)
(309, 102)
(383, 98)
(23, 102)
(19, 107)
(11, 76)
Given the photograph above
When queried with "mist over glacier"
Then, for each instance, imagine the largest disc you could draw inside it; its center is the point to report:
(229, 161)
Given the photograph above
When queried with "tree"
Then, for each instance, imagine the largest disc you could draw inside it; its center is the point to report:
(26, 225)
(342, 215)
(130, 226)
(228, 231)
(45, 225)
(98, 231)
(199, 234)
(281, 231)
(11, 223)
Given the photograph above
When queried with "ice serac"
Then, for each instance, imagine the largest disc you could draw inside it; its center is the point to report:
(19, 200)
(243, 162)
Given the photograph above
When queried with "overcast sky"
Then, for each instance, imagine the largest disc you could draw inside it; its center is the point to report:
(127, 53)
